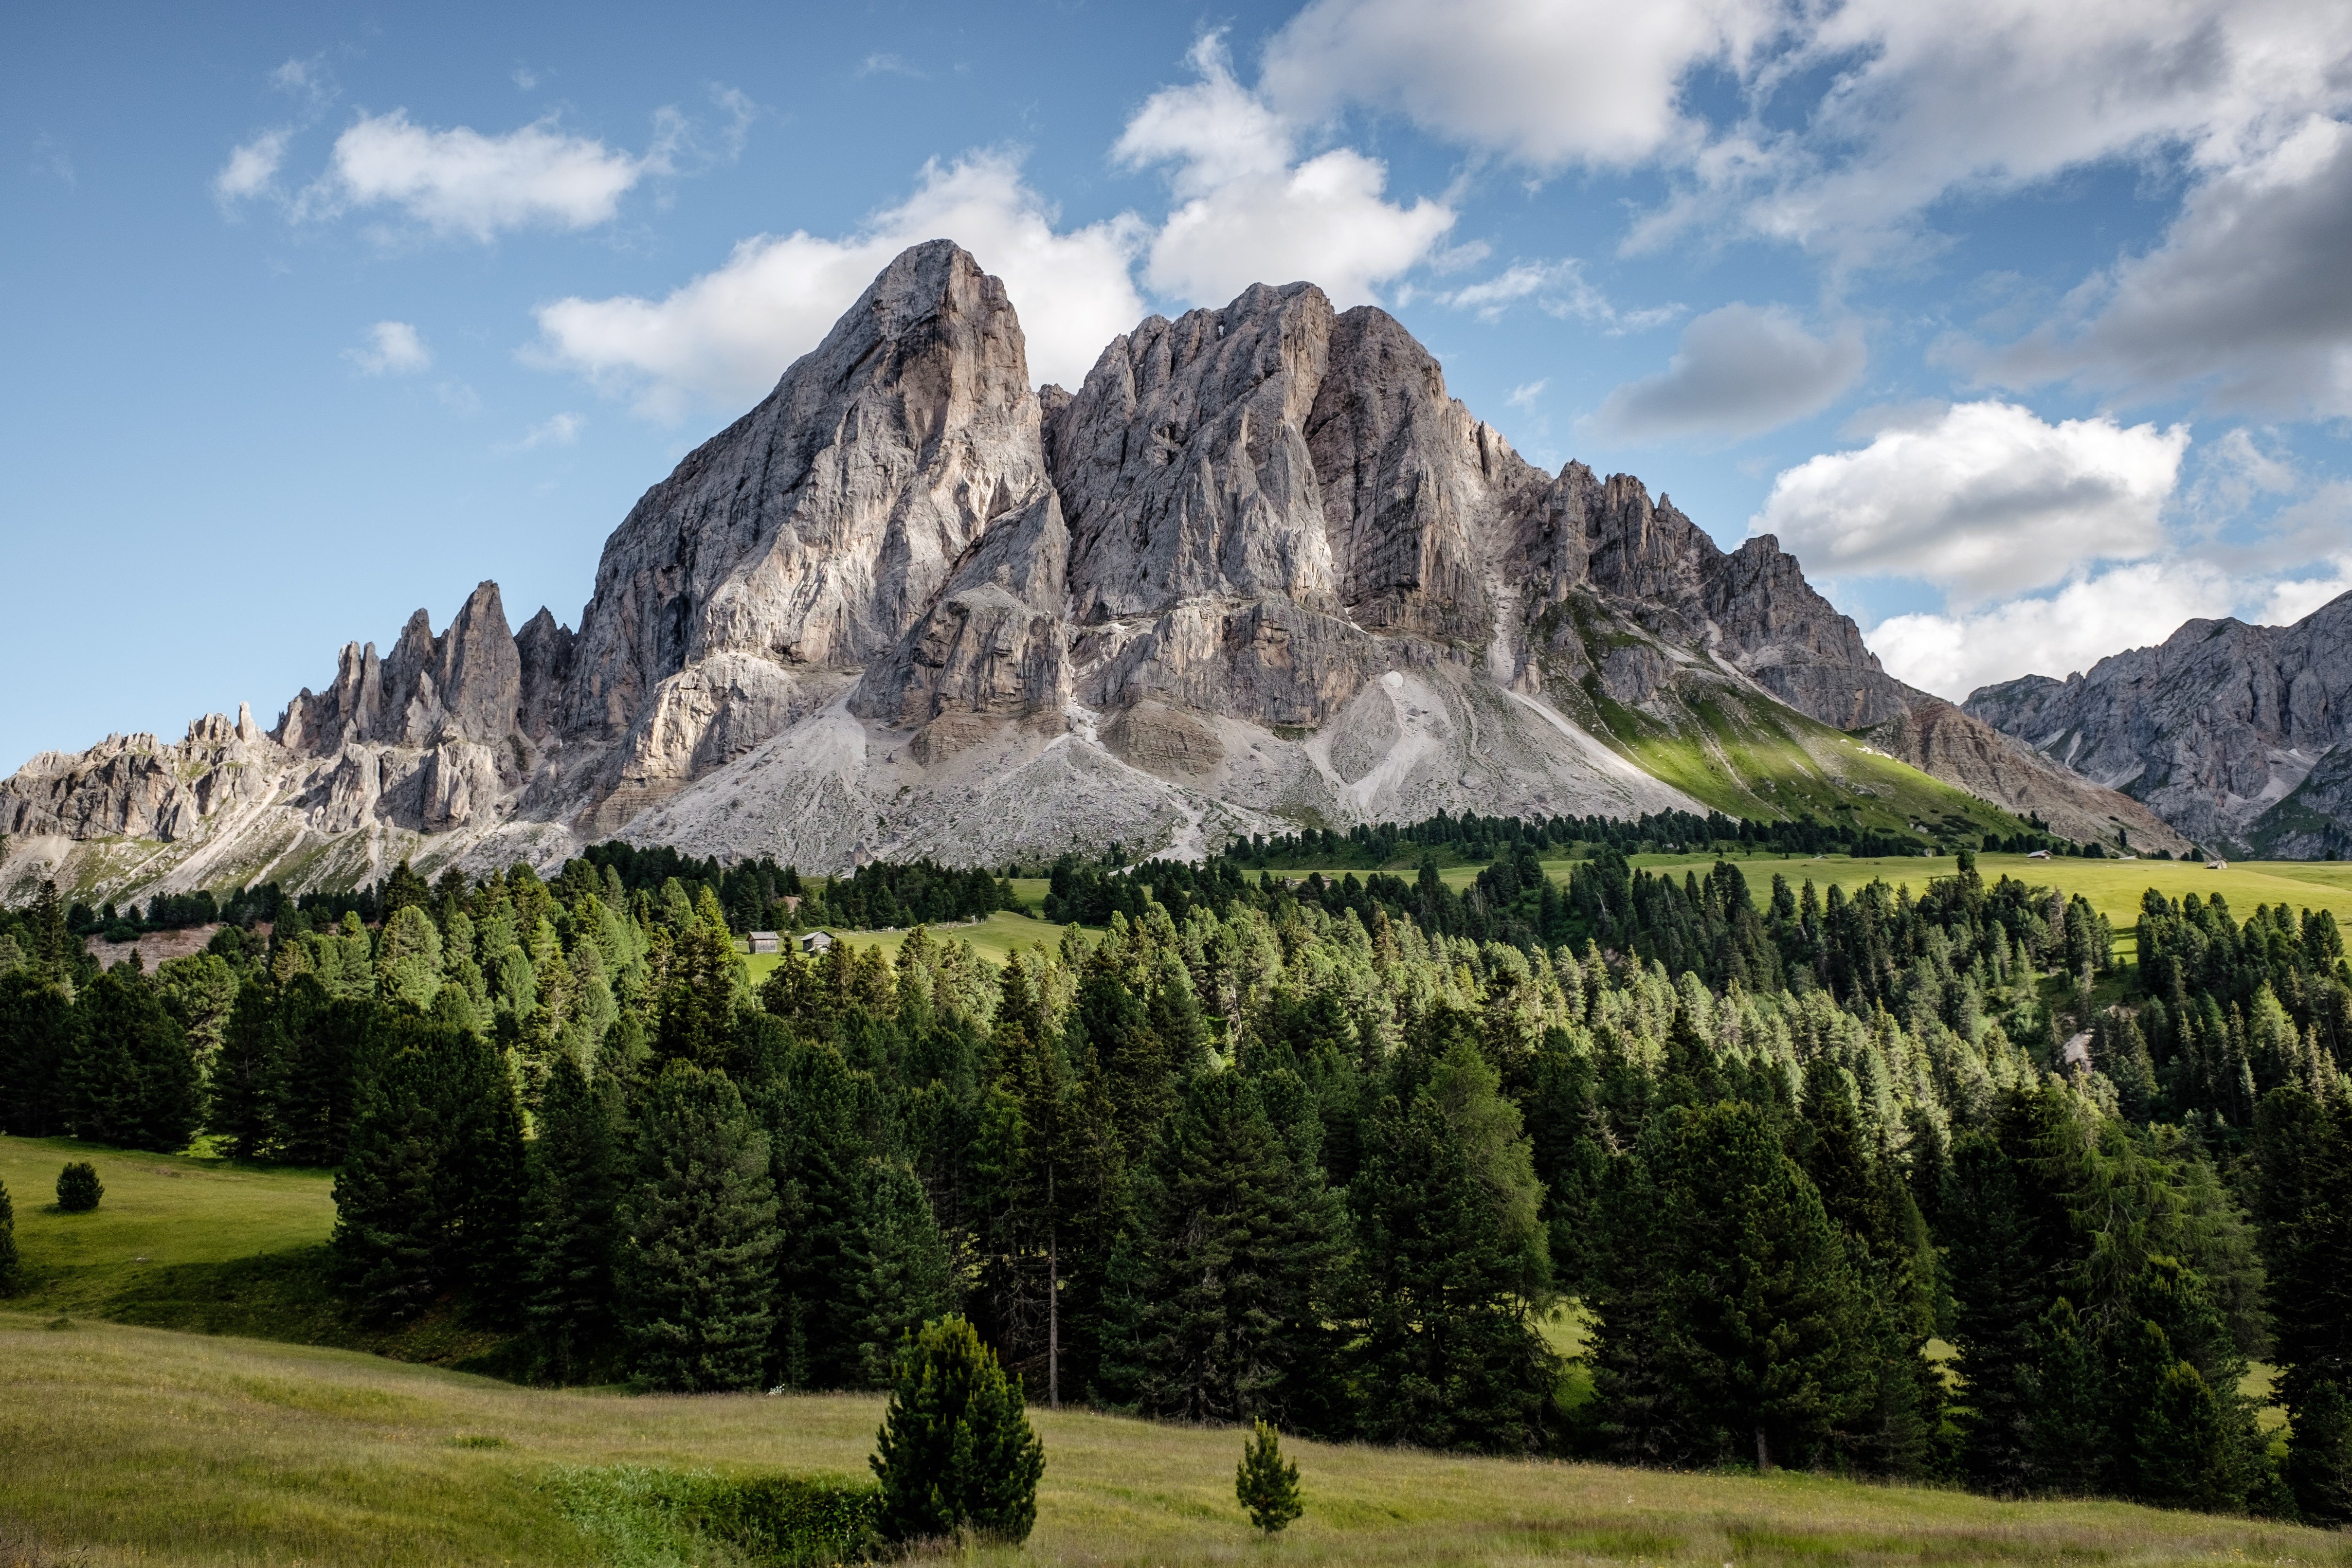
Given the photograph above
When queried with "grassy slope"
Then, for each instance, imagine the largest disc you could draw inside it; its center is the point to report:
(138, 1445)
(1748, 756)
(2114, 887)
(185, 1242)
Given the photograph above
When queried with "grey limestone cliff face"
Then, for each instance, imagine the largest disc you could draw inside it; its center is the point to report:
(2221, 728)
(466, 684)
(804, 540)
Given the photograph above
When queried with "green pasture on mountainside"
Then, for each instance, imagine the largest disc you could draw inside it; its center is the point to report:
(2113, 886)
(136, 1444)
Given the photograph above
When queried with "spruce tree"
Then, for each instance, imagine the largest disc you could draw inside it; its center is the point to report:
(248, 1074)
(35, 1045)
(2008, 1241)
(1758, 1348)
(697, 1238)
(388, 1244)
(2303, 1154)
(904, 1273)
(695, 1012)
(955, 1454)
(1866, 1197)
(807, 1100)
(1451, 1264)
(1266, 1486)
(484, 1179)
(1239, 1250)
(132, 1080)
(330, 1049)
(576, 1165)
(79, 1189)
(11, 1267)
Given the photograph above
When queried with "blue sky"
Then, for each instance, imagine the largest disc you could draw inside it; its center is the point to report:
(2029, 328)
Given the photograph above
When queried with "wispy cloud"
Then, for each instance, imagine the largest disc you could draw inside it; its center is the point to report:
(881, 65)
(1559, 289)
(556, 430)
(393, 348)
(50, 158)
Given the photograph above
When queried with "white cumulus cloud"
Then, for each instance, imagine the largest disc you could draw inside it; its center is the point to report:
(2133, 606)
(1551, 83)
(1248, 213)
(1740, 371)
(1984, 499)
(722, 340)
(393, 348)
(462, 181)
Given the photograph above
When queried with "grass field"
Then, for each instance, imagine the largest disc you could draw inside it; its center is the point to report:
(133, 1444)
(185, 1242)
(995, 939)
(2114, 888)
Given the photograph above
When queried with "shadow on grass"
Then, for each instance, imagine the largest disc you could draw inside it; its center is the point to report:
(290, 1297)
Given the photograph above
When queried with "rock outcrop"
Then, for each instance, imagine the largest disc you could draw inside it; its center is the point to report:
(2234, 734)
(1259, 570)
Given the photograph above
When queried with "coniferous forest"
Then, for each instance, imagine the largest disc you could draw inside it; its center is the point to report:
(1914, 1182)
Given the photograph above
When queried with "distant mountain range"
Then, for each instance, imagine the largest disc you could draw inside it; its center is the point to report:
(2232, 733)
(1258, 571)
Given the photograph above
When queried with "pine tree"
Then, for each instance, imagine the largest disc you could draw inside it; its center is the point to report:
(332, 1048)
(35, 1045)
(697, 1228)
(904, 1273)
(1891, 1257)
(404, 889)
(388, 1243)
(575, 1165)
(248, 1074)
(1451, 1263)
(132, 1080)
(955, 1454)
(695, 1014)
(1759, 1347)
(2180, 1438)
(409, 955)
(79, 1189)
(2008, 1241)
(11, 1268)
(1267, 1486)
(807, 1100)
(484, 1178)
(1018, 1157)
(2303, 1152)
(1239, 1253)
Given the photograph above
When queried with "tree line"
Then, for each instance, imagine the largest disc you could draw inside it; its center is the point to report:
(1296, 1150)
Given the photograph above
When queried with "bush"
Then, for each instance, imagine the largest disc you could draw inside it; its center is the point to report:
(797, 1518)
(955, 1454)
(640, 1515)
(9, 1267)
(77, 1187)
(1267, 1486)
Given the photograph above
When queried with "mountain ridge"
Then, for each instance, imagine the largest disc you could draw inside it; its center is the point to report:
(1259, 570)
(2233, 732)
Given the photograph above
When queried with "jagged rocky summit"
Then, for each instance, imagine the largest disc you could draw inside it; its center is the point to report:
(1260, 570)
(2234, 734)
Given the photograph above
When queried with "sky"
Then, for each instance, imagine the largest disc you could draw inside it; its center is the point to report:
(2026, 328)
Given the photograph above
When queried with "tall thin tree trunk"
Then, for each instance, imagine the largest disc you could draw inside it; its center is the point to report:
(1053, 1324)
(1763, 1451)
